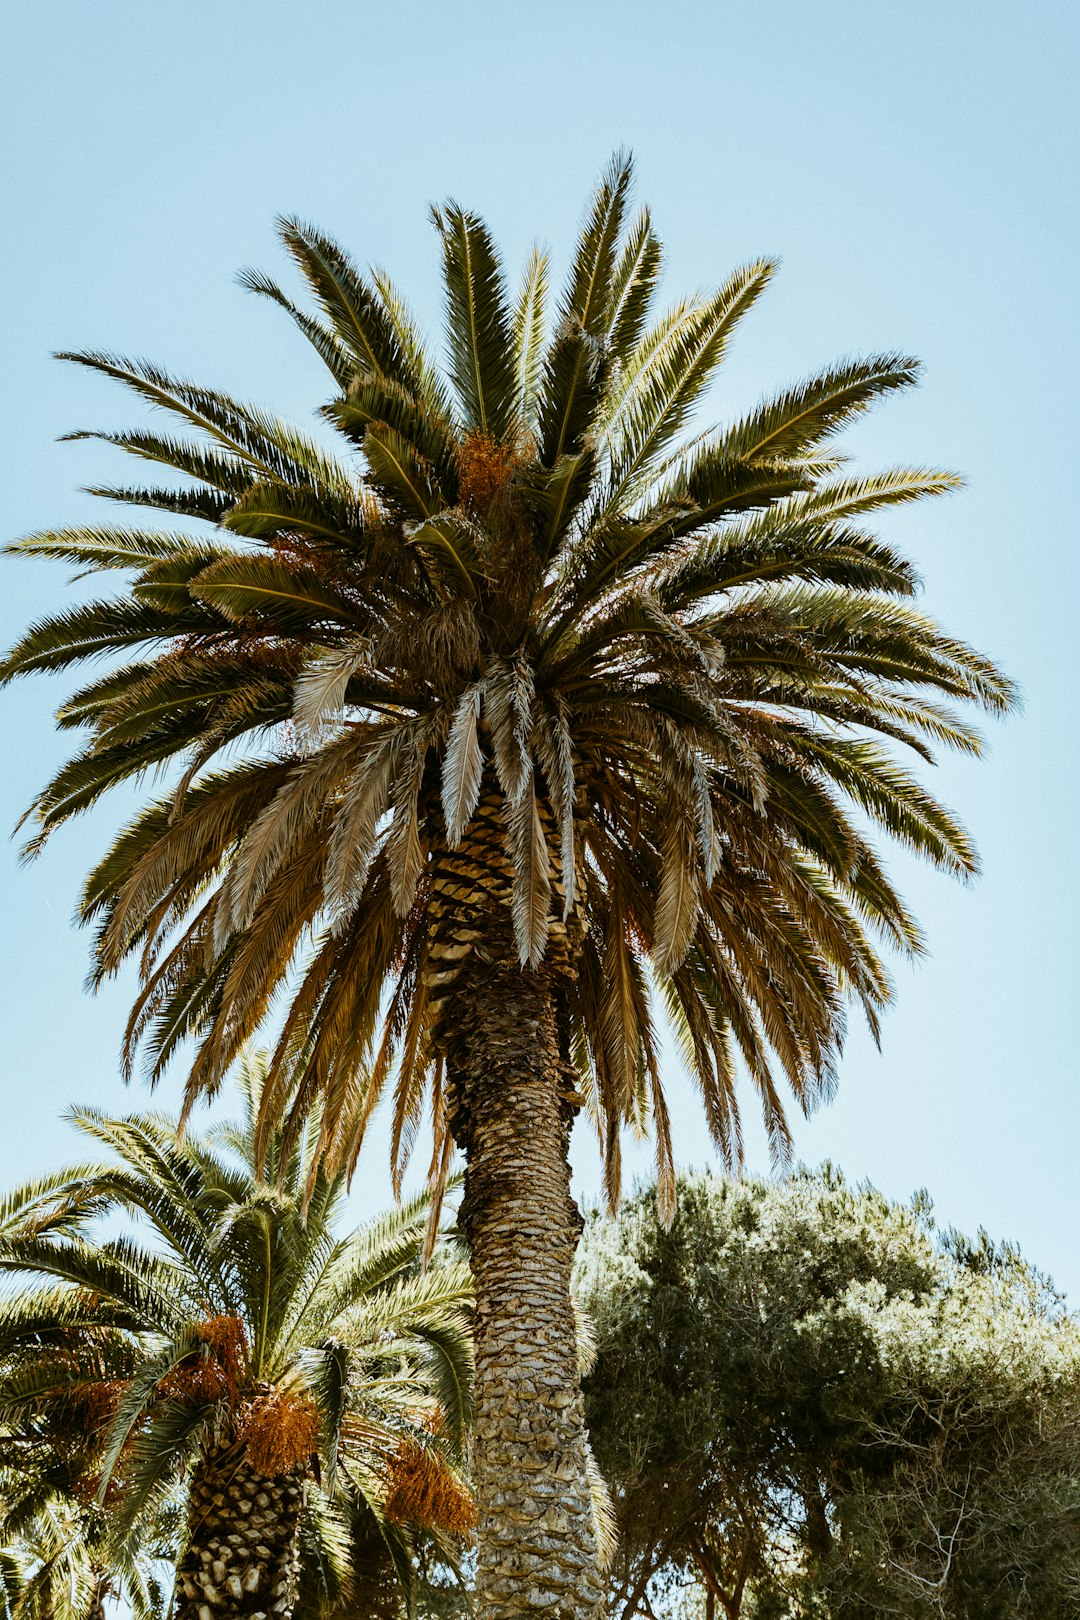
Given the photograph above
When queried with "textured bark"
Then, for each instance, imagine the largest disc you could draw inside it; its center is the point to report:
(511, 1099)
(241, 1552)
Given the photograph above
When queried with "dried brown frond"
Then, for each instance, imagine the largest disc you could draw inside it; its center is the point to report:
(282, 1431)
(438, 645)
(424, 1489)
(486, 466)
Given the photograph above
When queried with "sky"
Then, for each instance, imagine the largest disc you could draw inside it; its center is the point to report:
(914, 167)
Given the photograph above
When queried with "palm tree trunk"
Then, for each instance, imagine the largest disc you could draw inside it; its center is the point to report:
(511, 1100)
(240, 1556)
(537, 1540)
(102, 1589)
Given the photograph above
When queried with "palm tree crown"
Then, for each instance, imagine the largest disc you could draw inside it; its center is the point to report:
(663, 670)
(237, 1324)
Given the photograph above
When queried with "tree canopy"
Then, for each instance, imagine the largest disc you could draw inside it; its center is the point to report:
(809, 1403)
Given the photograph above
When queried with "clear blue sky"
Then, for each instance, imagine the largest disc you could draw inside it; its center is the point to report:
(915, 166)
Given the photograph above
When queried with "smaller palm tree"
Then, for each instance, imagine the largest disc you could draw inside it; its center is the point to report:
(299, 1388)
(57, 1561)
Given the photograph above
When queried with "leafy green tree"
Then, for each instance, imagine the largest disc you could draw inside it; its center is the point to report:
(234, 1348)
(807, 1408)
(535, 718)
(977, 1514)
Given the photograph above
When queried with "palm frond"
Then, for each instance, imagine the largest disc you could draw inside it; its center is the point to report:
(352, 307)
(664, 385)
(530, 904)
(478, 322)
(806, 414)
(324, 340)
(587, 300)
(529, 333)
(463, 765)
(266, 445)
(633, 283)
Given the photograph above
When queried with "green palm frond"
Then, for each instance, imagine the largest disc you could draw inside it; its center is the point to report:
(422, 377)
(275, 511)
(59, 1202)
(663, 384)
(400, 475)
(805, 415)
(268, 447)
(150, 1288)
(209, 505)
(101, 627)
(94, 548)
(157, 1179)
(634, 281)
(223, 475)
(588, 298)
(529, 334)
(376, 401)
(349, 303)
(287, 597)
(478, 323)
(578, 362)
(324, 340)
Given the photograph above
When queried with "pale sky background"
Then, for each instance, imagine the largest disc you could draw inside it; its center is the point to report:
(914, 165)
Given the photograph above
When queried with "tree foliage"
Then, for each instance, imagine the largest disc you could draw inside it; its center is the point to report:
(808, 1405)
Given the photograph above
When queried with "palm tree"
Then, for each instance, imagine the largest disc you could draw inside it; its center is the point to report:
(535, 718)
(55, 1559)
(238, 1353)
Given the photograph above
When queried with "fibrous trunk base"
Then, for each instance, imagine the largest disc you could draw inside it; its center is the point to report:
(537, 1538)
